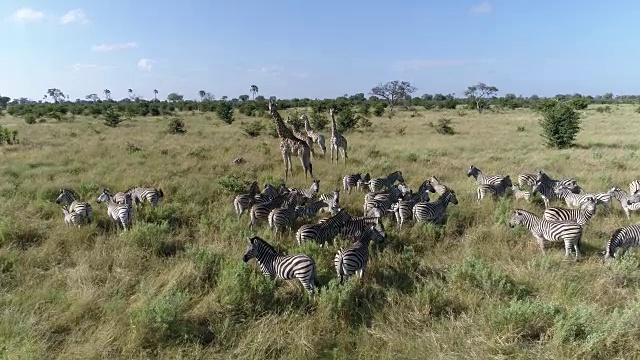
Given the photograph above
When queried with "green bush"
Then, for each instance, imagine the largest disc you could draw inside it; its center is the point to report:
(560, 124)
(225, 112)
(444, 127)
(112, 117)
(254, 128)
(378, 109)
(604, 109)
(30, 119)
(346, 120)
(579, 103)
(176, 126)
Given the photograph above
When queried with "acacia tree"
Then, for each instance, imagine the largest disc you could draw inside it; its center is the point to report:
(107, 94)
(478, 95)
(202, 93)
(254, 90)
(56, 94)
(393, 92)
(243, 98)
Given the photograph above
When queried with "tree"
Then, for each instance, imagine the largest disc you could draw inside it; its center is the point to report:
(479, 93)
(155, 95)
(254, 90)
(224, 98)
(225, 112)
(107, 94)
(4, 100)
(201, 93)
(243, 98)
(175, 97)
(92, 97)
(560, 124)
(56, 94)
(393, 91)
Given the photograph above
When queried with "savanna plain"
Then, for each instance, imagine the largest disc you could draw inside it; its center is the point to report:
(175, 285)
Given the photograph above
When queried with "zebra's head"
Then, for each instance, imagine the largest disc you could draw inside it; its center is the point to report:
(537, 187)
(517, 217)
(377, 232)
(589, 203)
(427, 185)
(451, 196)
(64, 194)
(366, 177)
(542, 177)
(507, 181)
(105, 196)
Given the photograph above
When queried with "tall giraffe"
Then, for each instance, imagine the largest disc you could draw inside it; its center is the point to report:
(302, 136)
(289, 143)
(338, 142)
(315, 136)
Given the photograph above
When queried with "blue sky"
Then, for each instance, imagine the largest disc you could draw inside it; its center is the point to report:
(317, 48)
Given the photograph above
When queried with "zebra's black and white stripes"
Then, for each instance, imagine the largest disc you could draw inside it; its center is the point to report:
(354, 259)
(324, 231)
(434, 211)
(287, 267)
(354, 181)
(622, 238)
(494, 190)
(140, 194)
(82, 208)
(119, 214)
(580, 216)
(284, 217)
(72, 218)
(482, 178)
(380, 183)
(556, 231)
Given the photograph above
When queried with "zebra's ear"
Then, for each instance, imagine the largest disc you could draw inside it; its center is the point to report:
(250, 240)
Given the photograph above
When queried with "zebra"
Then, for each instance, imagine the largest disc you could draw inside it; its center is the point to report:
(324, 231)
(379, 183)
(243, 202)
(354, 259)
(310, 210)
(286, 267)
(580, 216)
(356, 226)
(119, 214)
(572, 200)
(82, 208)
(496, 190)
(527, 179)
(555, 231)
(626, 201)
(438, 186)
(121, 198)
(634, 187)
(283, 217)
(309, 193)
(482, 178)
(332, 201)
(352, 181)
(140, 194)
(363, 182)
(434, 211)
(622, 238)
(261, 211)
(403, 208)
(547, 191)
(570, 184)
(520, 194)
(71, 217)
(380, 200)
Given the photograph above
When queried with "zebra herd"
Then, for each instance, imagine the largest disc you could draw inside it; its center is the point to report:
(559, 224)
(389, 196)
(282, 207)
(119, 205)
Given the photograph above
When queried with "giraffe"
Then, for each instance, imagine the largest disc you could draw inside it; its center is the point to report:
(289, 143)
(302, 136)
(338, 142)
(317, 137)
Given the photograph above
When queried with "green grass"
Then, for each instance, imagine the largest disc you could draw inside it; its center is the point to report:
(176, 286)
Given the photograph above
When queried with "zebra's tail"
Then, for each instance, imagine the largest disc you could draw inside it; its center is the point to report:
(340, 267)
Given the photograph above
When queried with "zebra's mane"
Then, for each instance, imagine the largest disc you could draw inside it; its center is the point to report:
(258, 241)
(615, 234)
(69, 191)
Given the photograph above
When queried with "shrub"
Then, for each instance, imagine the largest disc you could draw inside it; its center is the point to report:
(176, 126)
(579, 103)
(225, 112)
(364, 122)
(443, 127)
(401, 130)
(346, 120)
(30, 119)
(560, 125)
(318, 119)
(112, 118)
(604, 109)
(520, 129)
(378, 109)
(254, 128)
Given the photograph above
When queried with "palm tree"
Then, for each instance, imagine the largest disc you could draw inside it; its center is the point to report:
(130, 91)
(155, 95)
(254, 91)
(202, 94)
(107, 94)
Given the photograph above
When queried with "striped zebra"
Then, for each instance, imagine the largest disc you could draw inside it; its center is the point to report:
(332, 201)
(570, 184)
(438, 185)
(324, 231)
(311, 192)
(119, 214)
(351, 181)
(261, 211)
(71, 217)
(243, 202)
(354, 259)
(626, 201)
(482, 178)
(121, 198)
(356, 226)
(366, 179)
(403, 211)
(380, 183)
(520, 194)
(286, 267)
(140, 194)
(283, 217)
(580, 216)
(404, 189)
(82, 208)
(634, 187)
(434, 211)
(572, 200)
(555, 231)
(380, 200)
(547, 191)
(525, 180)
(622, 238)
(310, 210)
(494, 190)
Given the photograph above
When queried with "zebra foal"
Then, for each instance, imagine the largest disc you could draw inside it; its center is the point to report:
(82, 208)
(354, 259)
(72, 218)
(286, 267)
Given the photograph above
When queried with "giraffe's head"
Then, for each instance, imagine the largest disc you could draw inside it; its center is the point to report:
(304, 117)
(272, 107)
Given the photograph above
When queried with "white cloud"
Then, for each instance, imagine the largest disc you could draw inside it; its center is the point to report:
(268, 70)
(80, 66)
(26, 15)
(74, 16)
(407, 65)
(113, 47)
(483, 7)
(145, 64)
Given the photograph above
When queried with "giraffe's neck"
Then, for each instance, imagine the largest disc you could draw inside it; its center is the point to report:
(307, 125)
(281, 128)
(334, 129)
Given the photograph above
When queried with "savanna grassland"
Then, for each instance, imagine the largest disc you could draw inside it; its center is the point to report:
(175, 286)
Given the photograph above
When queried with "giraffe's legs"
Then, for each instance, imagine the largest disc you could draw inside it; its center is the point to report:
(286, 164)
